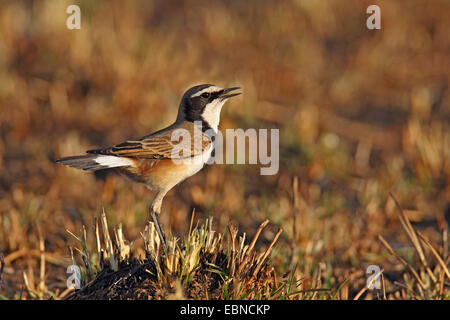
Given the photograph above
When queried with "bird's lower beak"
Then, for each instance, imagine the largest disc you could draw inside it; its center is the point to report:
(224, 95)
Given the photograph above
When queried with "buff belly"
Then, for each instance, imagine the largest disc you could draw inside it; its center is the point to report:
(163, 174)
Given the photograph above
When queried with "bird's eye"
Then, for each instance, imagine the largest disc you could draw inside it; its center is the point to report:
(205, 95)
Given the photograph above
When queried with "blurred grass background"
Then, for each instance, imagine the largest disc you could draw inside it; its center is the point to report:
(361, 113)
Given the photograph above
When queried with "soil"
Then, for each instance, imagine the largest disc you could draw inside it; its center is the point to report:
(136, 279)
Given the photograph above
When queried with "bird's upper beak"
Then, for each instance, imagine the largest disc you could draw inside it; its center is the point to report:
(224, 95)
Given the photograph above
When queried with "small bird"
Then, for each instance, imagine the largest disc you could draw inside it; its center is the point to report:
(150, 160)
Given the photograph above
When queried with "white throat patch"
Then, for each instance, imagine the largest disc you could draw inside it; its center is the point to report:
(211, 113)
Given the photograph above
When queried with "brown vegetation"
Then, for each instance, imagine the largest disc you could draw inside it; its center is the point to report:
(361, 114)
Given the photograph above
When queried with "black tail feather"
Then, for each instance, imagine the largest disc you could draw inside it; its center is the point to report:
(85, 162)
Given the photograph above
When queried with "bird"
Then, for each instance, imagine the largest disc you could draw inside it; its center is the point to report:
(151, 159)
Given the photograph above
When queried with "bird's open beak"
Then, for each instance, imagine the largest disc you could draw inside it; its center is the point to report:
(224, 95)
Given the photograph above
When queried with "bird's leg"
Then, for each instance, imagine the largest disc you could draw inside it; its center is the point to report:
(155, 209)
(159, 229)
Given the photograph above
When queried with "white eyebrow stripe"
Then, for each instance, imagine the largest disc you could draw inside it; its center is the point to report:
(209, 89)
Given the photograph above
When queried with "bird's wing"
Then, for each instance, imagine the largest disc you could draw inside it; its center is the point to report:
(159, 146)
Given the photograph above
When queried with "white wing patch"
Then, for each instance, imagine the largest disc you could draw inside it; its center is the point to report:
(113, 161)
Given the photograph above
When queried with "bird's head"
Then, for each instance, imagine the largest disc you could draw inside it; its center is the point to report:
(204, 103)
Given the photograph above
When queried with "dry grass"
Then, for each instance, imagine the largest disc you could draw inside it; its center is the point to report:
(200, 267)
(361, 114)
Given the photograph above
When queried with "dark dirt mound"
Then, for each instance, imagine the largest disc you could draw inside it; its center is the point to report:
(137, 279)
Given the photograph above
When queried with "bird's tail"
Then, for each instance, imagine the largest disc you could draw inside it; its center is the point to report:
(93, 162)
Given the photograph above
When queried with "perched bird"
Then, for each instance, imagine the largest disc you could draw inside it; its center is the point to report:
(150, 160)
